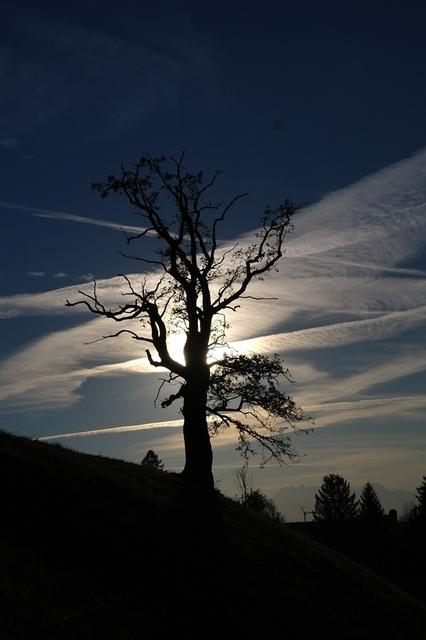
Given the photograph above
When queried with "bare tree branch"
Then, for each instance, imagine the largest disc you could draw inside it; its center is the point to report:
(198, 284)
(134, 335)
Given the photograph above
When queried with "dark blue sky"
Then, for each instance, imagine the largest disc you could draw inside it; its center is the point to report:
(297, 100)
(291, 100)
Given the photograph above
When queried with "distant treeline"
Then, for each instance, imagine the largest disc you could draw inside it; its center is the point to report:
(334, 502)
(361, 530)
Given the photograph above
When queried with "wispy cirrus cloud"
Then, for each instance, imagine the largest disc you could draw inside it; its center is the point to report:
(53, 302)
(402, 407)
(337, 334)
(42, 376)
(329, 414)
(343, 280)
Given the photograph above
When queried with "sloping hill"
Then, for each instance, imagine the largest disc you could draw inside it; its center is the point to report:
(97, 548)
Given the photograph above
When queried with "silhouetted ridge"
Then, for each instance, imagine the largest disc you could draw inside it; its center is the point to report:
(92, 547)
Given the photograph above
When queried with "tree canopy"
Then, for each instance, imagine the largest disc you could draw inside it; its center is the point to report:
(151, 459)
(420, 508)
(193, 283)
(370, 508)
(255, 499)
(334, 501)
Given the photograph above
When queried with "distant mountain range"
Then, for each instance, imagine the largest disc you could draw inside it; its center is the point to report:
(289, 500)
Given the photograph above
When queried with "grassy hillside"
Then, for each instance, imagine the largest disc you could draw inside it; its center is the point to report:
(97, 548)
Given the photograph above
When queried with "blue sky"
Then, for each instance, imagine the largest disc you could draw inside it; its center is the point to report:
(323, 104)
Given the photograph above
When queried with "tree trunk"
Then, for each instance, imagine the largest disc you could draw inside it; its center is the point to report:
(198, 451)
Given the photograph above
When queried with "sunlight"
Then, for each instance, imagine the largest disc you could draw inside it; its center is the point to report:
(176, 343)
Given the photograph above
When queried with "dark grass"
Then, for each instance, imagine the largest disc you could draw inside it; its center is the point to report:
(92, 547)
(394, 550)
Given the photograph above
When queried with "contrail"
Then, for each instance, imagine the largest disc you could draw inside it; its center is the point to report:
(71, 217)
(122, 429)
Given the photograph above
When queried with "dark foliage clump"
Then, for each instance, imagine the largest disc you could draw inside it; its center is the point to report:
(370, 508)
(152, 460)
(258, 501)
(255, 499)
(420, 507)
(334, 501)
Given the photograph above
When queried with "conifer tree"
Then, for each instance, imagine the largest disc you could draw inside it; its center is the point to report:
(334, 501)
(421, 501)
(370, 508)
(152, 460)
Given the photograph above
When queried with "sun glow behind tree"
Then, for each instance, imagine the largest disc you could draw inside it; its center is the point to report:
(199, 283)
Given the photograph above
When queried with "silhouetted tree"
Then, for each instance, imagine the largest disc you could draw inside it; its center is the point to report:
(408, 513)
(152, 460)
(370, 508)
(258, 501)
(420, 508)
(255, 499)
(194, 286)
(334, 501)
(243, 483)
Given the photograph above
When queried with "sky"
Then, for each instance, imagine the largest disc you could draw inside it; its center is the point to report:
(320, 102)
